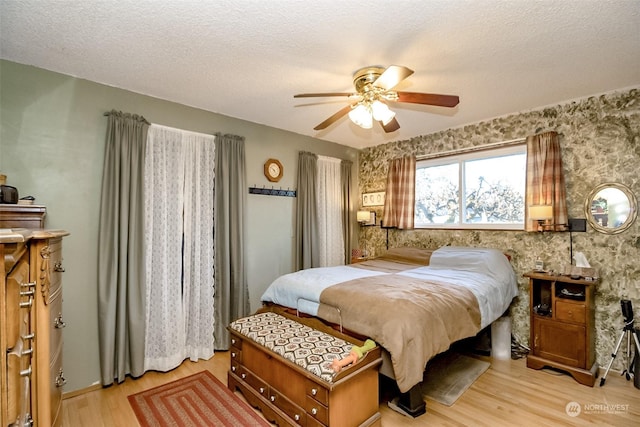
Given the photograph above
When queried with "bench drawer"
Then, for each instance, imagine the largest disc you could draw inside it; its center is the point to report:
(295, 412)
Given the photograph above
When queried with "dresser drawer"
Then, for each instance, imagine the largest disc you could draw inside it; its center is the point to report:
(235, 354)
(55, 267)
(57, 382)
(317, 392)
(236, 342)
(295, 412)
(317, 410)
(56, 324)
(253, 381)
(571, 311)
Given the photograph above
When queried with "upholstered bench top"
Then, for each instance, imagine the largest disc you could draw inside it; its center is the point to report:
(309, 348)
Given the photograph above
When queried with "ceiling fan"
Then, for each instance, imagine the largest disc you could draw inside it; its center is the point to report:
(374, 86)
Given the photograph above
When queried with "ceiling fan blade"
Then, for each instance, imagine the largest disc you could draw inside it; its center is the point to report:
(333, 118)
(393, 75)
(392, 126)
(428, 99)
(317, 95)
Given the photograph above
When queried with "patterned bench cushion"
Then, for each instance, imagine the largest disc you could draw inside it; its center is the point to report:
(306, 347)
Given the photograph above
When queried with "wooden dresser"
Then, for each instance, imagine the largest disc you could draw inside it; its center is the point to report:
(31, 322)
(23, 216)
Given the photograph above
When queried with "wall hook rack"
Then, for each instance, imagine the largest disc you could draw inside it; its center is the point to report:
(272, 191)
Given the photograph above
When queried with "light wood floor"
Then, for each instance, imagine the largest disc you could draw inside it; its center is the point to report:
(507, 394)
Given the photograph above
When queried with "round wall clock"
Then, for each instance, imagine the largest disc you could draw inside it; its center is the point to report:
(273, 170)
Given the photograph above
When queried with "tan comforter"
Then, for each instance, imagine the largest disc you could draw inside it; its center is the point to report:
(411, 318)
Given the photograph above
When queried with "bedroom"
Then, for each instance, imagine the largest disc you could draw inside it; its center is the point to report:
(52, 148)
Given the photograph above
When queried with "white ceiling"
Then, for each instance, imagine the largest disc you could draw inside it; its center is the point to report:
(247, 58)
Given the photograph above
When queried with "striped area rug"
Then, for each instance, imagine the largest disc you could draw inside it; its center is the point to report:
(197, 400)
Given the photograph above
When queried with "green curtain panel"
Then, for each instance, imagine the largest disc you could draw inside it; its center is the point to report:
(121, 274)
(231, 291)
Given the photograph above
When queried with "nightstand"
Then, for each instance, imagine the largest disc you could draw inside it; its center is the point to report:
(355, 260)
(562, 325)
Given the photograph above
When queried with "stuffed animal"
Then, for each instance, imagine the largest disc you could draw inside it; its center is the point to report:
(354, 355)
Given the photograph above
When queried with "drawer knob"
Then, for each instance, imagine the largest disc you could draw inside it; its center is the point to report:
(233, 369)
(296, 417)
(272, 398)
(233, 355)
(233, 340)
(314, 411)
(27, 304)
(244, 376)
(26, 372)
(261, 389)
(59, 323)
(58, 267)
(314, 391)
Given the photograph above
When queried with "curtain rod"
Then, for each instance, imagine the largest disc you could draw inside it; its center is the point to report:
(508, 143)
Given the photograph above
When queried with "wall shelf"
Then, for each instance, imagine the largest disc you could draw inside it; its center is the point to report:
(272, 191)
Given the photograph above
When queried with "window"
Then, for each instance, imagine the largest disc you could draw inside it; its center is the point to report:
(478, 190)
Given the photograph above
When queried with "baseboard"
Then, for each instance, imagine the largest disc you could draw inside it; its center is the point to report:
(75, 393)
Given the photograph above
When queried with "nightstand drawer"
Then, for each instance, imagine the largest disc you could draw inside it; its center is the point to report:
(571, 312)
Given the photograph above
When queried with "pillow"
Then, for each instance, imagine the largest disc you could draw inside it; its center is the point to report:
(418, 256)
(487, 261)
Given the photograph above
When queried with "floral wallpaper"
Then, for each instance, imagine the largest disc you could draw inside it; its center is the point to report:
(600, 140)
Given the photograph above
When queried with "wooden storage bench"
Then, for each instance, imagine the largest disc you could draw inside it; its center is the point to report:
(283, 367)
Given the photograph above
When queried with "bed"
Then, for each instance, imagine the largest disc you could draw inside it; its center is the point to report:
(413, 302)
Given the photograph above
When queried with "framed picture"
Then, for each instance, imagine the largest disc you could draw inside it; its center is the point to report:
(373, 199)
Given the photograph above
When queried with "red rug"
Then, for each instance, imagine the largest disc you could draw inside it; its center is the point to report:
(197, 400)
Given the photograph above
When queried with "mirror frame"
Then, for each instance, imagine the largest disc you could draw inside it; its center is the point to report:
(633, 212)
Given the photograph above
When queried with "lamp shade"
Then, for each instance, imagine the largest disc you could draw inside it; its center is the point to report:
(381, 112)
(361, 115)
(540, 211)
(363, 216)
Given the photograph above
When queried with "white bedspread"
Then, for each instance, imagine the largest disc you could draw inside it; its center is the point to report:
(302, 289)
(486, 272)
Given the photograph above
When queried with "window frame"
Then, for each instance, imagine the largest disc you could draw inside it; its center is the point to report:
(460, 159)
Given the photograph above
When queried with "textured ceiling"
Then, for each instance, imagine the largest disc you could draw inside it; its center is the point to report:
(247, 59)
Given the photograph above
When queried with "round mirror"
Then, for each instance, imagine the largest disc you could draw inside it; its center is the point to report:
(611, 208)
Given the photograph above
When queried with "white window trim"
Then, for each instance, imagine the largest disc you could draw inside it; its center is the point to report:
(520, 148)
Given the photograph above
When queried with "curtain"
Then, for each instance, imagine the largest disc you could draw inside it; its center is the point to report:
(545, 180)
(329, 203)
(198, 257)
(307, 251)
(399, 203)
(347, 224)
(120, 249)
(179, 247)
(231, 291)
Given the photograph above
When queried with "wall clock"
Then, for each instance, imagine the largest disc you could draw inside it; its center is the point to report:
(273, 170)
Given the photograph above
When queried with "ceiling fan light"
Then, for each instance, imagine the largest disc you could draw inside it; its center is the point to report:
(381, 112)
(361, 115)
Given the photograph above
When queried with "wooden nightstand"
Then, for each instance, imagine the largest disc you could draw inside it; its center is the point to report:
(562, 325)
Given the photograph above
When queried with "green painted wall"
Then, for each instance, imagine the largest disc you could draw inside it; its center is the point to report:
(52, 135)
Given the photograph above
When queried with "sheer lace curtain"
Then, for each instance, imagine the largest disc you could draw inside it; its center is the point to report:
(179, 190)
(329, 205)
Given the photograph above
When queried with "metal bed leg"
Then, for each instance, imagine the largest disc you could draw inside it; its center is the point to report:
(412, 402)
